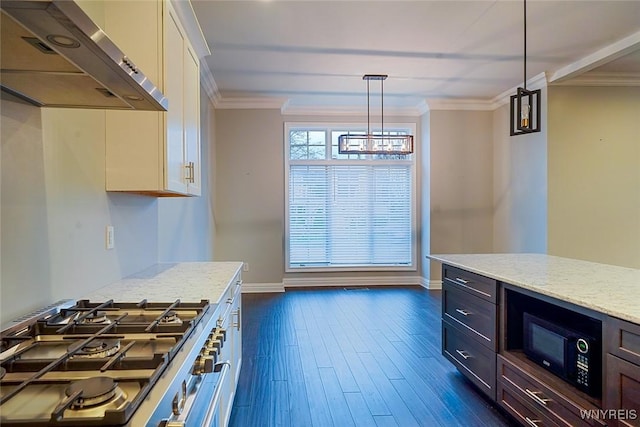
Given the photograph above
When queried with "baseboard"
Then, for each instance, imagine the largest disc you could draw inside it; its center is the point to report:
(310, 282)
(301, 282)
(253, 288)
(434, 285)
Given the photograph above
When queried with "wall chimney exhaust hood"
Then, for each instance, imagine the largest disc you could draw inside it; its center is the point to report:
(53, 55)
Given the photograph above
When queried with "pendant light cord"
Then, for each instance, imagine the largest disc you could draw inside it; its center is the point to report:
(368, 113)
(380, 77)
(381, 107)
(525, 45)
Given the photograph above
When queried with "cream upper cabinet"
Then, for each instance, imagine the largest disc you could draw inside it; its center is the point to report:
(156, 153)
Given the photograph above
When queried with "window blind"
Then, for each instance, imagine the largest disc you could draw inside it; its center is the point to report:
(343, 215)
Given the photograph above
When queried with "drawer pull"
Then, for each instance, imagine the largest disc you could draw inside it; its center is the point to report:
(463, 354)
(532, 423)
(461, 280)
(463, 312)
(534, 395)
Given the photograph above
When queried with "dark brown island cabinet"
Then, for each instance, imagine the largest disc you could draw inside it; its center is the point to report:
(483, 322)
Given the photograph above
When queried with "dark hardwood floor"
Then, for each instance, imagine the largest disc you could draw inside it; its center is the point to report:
(355, 357)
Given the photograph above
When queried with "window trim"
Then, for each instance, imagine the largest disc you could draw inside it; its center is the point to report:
(333, 126)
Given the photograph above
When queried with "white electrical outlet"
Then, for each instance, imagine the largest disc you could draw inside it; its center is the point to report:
(109, 237)
(245, 266)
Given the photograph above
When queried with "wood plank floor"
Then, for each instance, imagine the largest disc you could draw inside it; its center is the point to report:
(351, 357)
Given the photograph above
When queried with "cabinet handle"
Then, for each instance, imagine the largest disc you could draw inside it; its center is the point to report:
(534, 395)
(191, 174)
(461, 280)
(463, 312)
(237, 324)
(463, 354)
(532, 423)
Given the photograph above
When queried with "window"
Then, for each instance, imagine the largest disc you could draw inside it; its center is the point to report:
(351, 212)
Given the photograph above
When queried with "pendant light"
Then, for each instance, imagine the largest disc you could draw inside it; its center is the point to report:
(525, 104)
(375, 143)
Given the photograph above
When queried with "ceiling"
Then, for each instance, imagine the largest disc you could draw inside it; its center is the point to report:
(313, 54)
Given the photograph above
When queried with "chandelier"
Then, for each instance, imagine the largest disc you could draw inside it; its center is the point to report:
(525, 104)
(375, 143)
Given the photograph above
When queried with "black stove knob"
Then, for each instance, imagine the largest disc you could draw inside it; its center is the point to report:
(221, 332)
(212, 343)
(203, 365)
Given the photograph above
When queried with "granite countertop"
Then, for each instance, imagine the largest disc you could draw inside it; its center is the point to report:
(187, 281)
(601, 287)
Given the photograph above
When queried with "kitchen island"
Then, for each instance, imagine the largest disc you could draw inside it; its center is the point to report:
(605, 288)
(488, 303)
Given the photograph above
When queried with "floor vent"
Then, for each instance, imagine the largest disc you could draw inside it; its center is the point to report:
(356, 288)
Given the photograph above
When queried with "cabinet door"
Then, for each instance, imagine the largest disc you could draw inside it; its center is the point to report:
(192, 120)
(176, 173)
(623, 391)
(134, 139)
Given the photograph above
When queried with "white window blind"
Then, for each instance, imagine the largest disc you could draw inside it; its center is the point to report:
(345, 212)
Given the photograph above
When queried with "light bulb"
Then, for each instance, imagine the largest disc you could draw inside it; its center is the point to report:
(524, 115)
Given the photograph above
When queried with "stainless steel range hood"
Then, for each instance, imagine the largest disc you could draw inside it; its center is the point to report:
(54, 55)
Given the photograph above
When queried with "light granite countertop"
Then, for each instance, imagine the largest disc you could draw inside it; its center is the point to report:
(604, 288)
(187, 281)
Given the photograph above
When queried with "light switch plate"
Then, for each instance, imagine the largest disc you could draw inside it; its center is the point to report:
(109, 237)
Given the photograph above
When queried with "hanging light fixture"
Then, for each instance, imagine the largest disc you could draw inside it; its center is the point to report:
(375, 143)
(525, 104)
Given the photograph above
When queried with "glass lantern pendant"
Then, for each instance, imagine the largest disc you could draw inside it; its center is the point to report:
(375, 143)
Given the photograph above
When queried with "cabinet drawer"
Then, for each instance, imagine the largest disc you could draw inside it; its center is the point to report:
(480, 286)
(474, 360)
(478, 316)
(623, 339)
(555, 405)
(512, 402)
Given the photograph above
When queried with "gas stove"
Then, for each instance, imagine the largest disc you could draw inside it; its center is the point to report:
(93, 363)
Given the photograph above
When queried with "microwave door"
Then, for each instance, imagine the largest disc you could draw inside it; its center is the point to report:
(547, 348)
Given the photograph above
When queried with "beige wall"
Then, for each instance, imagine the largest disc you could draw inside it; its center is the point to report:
(519, 186)
(425, 197)
(54, 209)
(461, 161)
(594, 174)
(457, 151)
(250, 193)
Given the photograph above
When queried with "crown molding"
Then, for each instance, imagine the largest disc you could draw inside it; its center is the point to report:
(461, 104)
(594, 78)
(536, 82)
(187, 17)
(607, 54)
(208, 83)
(250, 103)
(293, 110)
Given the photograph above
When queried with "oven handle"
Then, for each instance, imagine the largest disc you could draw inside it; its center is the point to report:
(217, 394)
(181, 419)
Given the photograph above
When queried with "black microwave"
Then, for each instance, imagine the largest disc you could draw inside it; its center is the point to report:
(571, 355)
